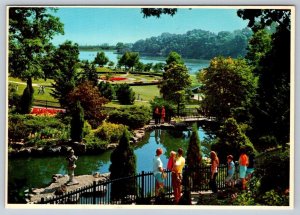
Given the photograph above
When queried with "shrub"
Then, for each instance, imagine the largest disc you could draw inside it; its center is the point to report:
(274, 171)
(125, 94)
(244, 198)
(134, 117)
(26, 126)
(17, 129)
(274, 198)
(110, 132)
(94, 144)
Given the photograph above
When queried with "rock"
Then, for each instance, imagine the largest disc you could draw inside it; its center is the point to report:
(112, 146)
(61, 190)
(17, 145)
(79, 148)
(25, 151)
(37, 191)
(97, 175)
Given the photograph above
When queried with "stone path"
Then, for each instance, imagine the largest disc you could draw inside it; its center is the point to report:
(59, 184)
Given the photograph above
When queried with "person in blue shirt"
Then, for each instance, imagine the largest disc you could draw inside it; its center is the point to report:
(231, 169)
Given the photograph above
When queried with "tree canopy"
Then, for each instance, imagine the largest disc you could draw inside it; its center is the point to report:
(228, 87)
(65, 66)
(271, 112)
(101, 59)
(196, 44)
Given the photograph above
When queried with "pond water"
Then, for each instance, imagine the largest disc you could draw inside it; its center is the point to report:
(37, 172)
(193, 65)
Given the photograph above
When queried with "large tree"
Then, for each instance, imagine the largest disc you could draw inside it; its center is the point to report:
(176, 81)
(89, 72)
(272, 109)
(129, 59)
(91, 101)
(228, 87)
(101, 59)
(30, 32)
(65, 66)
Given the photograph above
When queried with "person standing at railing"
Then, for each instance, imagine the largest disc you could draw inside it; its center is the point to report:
(177, 175)
(243, 163)
(158, 171)
(230, 173)
(163, 114)
(214, 171)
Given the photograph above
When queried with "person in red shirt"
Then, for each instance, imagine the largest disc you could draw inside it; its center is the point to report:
(163, 114)
(243, 163)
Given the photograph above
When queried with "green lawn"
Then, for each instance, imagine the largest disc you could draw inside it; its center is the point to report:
(146, 92)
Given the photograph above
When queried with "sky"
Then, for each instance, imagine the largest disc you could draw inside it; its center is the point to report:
(94, 26)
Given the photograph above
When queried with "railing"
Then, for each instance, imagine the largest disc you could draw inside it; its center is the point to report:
(46, 103)
(138, 189)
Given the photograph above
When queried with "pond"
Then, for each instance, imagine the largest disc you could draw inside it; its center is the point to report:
(37, 172)
(193, 65)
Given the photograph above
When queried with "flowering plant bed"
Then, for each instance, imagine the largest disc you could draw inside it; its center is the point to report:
(45, 111)
(117, 78)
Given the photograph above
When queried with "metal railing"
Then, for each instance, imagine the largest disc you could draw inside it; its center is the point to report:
(138, 189)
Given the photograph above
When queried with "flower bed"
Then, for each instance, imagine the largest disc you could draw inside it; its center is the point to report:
(45, 111)
(117, 78)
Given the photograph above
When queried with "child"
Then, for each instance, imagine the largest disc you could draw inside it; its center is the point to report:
(171, 160)
(231, 169)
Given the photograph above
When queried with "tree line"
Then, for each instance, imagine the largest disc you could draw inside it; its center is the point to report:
(196, 44)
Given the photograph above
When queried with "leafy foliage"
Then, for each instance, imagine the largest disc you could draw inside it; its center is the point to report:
(228, 87)
(176, 80)
(196, 44)
(106, 90)
(91, 101)
(101, 59)
(129, 59)
(231, 139)
(157, 12)
(134, 117)
(89, 73)
(65, 64)
(125, 94)
(272, 106)
(110, 132)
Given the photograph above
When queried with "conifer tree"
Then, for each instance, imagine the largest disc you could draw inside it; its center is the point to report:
(193, 159)
(77, 123)
(123, 164)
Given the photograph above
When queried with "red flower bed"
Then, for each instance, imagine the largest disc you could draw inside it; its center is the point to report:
(117, 79)
(45, 111)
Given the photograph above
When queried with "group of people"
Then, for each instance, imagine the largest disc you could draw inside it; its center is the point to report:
(159, 115)
(246, 168)
(175, 164)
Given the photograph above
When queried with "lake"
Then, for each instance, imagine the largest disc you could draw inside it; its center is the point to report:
(193, 65)
(37, 172)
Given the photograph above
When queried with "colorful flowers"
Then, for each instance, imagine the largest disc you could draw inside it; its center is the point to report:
(46, 111)
(117, 78)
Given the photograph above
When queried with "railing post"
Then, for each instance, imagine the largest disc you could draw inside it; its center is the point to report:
(143, 186)
(94, 192)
